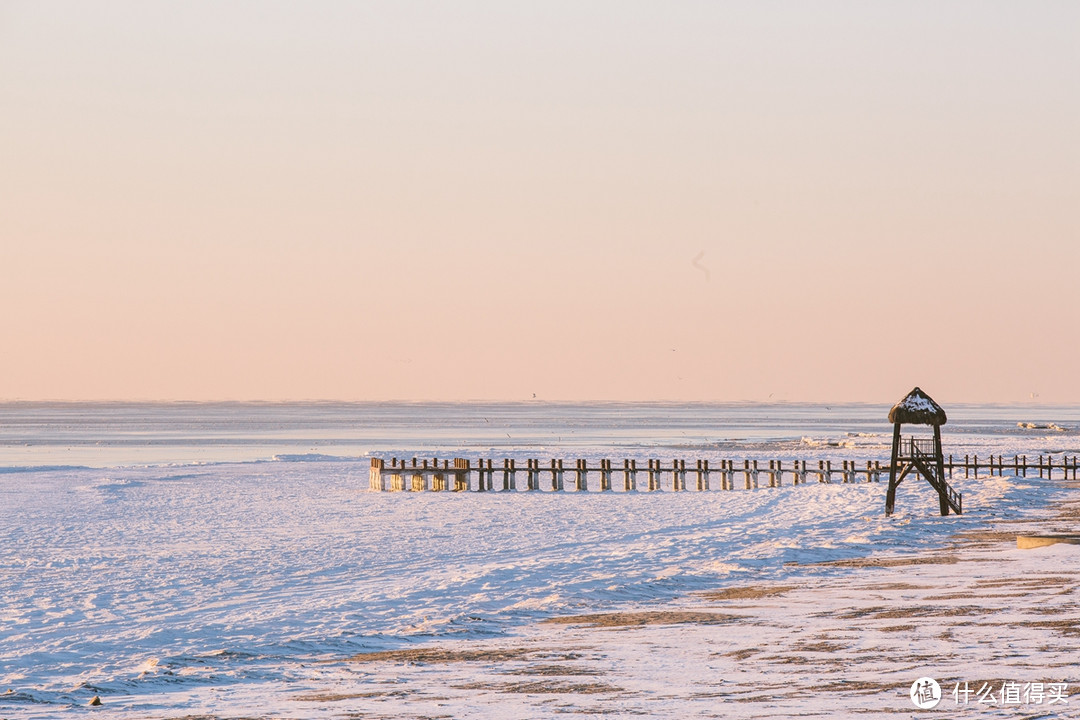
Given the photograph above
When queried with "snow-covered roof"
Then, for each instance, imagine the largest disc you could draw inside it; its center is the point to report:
(917, 408)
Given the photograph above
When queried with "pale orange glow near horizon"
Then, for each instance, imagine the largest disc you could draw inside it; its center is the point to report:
(582, 201)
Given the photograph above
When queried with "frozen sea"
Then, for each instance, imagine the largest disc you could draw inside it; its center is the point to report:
(209, 559)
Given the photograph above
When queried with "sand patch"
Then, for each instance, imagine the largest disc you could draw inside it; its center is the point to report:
(1069, 628)
(819, 647)
(888, 562)
(989, 536)
(1028, 581)
(804, 660)
(337, 697)
(751, 592)
(557, 670)
(742, 654)
(442, 655)
(862, 687)
(974, 596)
(543, 687)
(645, 617)
(878, 612)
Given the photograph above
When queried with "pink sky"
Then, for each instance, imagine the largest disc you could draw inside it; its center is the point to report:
(585, 201)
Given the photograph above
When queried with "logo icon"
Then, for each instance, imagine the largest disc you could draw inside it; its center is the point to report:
(925, 693)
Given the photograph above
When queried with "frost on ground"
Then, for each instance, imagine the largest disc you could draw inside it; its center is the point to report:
(285, 590)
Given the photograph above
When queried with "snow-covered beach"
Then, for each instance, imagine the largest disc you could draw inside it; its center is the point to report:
(186, 583)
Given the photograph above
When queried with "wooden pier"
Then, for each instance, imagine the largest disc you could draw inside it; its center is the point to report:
(652, 475)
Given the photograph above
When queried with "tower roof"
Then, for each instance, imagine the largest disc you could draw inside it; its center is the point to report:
(917, 408)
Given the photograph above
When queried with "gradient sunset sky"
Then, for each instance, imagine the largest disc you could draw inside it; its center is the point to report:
(612, 200)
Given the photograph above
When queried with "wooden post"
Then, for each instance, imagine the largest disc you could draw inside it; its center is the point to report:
(605, 476)
(462, 479)
(582, 476)
(375, 481)
(652, 475)
(746, 473)
(890, 494)
(483, 482)
(416, 482)
(939, 461)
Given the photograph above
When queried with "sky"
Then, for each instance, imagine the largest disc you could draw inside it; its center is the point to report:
(605, 200)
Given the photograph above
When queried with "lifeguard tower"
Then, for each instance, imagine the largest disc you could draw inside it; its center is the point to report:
(923, 455)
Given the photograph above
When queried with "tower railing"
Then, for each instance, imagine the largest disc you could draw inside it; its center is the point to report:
(919, 447)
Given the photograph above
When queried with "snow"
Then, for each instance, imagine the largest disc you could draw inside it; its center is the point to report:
(242, 586)
(286, 589)
(917, 403)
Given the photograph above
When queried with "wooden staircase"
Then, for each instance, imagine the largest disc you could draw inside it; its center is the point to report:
(927, 466)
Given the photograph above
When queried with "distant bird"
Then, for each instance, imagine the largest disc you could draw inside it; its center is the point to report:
(696, 262)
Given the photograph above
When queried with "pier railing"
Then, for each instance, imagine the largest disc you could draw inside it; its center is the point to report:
(653, 475)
